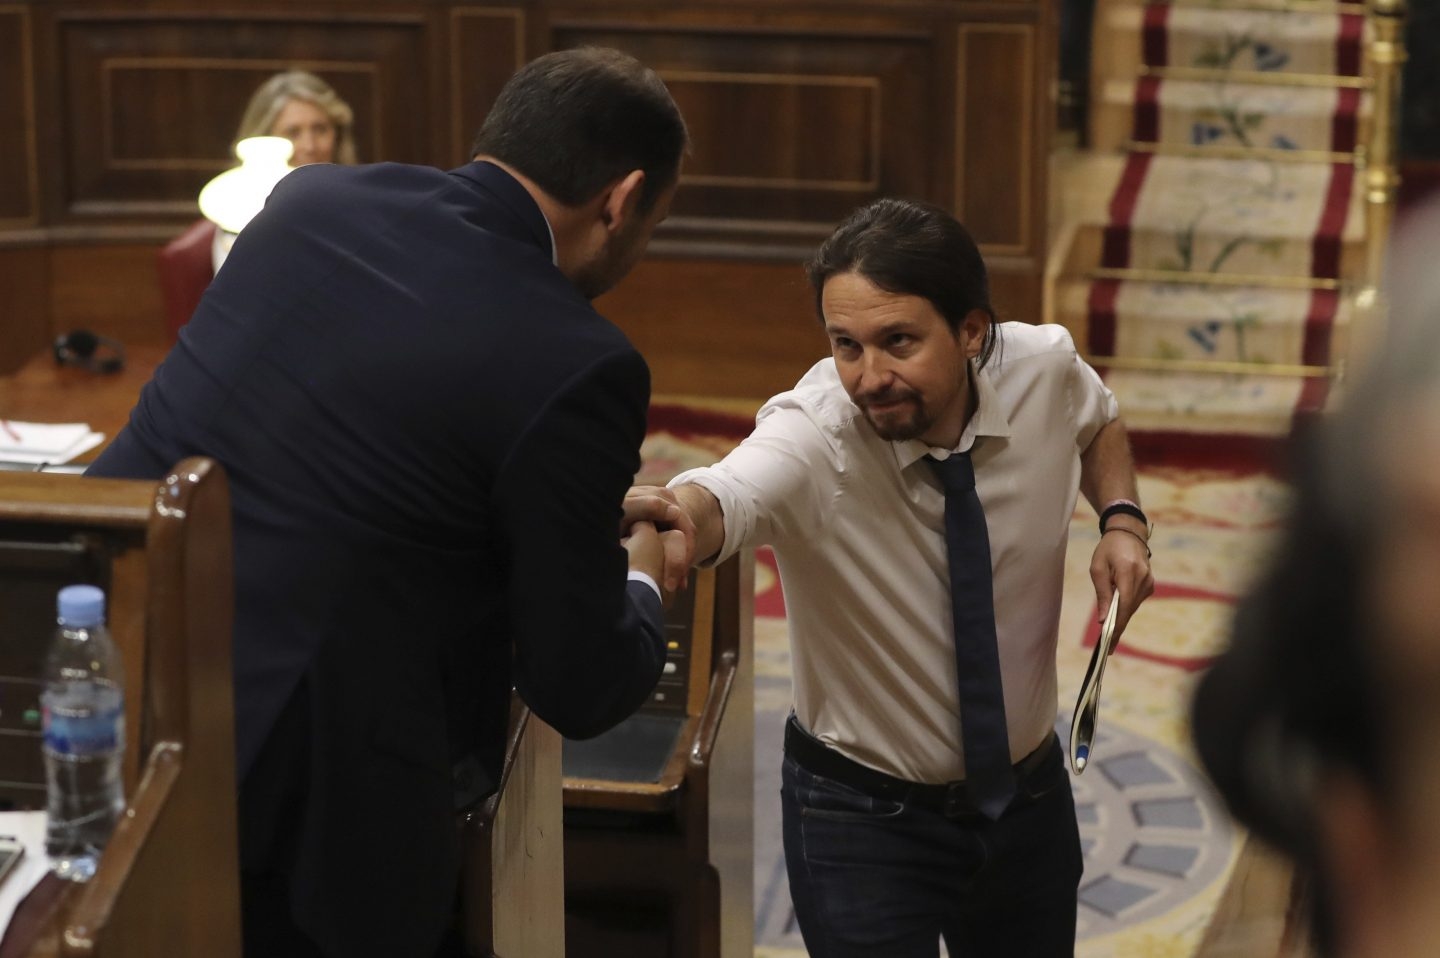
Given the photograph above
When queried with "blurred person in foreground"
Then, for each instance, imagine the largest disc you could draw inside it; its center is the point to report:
(428, 433)
(1321, 724)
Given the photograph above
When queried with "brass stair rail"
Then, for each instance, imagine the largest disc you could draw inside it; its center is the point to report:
(1218, 367)
(1382, 177)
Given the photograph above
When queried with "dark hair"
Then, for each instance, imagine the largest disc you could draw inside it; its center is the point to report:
(910, 248)
(577, 120)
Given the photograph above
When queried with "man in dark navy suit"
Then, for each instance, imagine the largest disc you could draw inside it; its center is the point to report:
(428, 433)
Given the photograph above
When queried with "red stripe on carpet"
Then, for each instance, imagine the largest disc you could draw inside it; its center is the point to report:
(1236, 454)
(1319, 324)
(1116, 254)
(1147, 110)
(1325, 252)
(1163, 591)
(1311, 403)
(1156, 33)
(1100, 338)
(687, 420)
(1345, 124)
(1347, 44)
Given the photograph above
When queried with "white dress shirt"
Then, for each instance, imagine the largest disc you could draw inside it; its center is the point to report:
(857, 525)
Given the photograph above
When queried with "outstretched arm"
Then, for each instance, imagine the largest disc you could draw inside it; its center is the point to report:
(1122, 559)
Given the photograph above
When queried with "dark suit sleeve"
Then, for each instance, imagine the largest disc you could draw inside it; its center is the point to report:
(588, 649)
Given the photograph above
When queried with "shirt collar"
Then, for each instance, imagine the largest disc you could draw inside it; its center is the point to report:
(554, 253)
(989, 420)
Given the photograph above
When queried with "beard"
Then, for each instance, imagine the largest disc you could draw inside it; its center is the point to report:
(907, 419)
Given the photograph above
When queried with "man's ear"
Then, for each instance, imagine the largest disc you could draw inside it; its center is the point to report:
(622, 201)
(975, 325)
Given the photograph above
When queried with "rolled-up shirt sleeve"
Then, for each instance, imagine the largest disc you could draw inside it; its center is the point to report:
(777, 483)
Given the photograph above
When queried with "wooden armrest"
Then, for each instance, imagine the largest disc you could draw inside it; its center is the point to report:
(722, 681)
(96, 901)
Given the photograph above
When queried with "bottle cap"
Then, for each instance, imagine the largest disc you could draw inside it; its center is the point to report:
(81, 605)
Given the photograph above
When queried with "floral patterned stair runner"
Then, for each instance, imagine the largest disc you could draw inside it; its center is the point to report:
(1241, 324)
(1279, 41)
(1238, 217)
(1234, 229)
(1221, 113)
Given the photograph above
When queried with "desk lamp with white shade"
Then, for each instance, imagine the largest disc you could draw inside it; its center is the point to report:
(233, 198)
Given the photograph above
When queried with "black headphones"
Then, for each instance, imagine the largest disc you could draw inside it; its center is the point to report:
(88, 350)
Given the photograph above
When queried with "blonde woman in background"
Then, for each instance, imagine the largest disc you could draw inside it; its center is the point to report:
(305, 110)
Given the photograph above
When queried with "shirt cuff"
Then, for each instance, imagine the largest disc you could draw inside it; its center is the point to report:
(642, 577)
(734, 522)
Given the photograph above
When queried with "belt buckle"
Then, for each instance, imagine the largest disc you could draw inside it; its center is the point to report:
(958, 803)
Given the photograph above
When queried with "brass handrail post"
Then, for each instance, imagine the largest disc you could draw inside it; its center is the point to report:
(1382, 175)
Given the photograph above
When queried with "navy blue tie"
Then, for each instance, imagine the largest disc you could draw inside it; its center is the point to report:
(988, 772)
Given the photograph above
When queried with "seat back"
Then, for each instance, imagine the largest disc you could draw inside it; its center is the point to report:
(186, 268)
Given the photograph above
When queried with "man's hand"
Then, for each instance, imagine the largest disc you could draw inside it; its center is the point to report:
(647, 555)
(658, 507)
(1121, 561)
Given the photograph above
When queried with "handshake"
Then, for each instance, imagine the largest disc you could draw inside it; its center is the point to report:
(663, 529)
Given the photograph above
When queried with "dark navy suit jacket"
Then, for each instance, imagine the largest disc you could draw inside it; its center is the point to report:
(428, 433)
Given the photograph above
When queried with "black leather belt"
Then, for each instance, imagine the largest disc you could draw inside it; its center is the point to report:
(951, 799)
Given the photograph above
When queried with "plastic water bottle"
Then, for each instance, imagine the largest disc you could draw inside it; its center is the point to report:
(84, 734)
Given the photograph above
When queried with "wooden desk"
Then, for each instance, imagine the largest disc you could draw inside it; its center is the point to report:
(44, 391)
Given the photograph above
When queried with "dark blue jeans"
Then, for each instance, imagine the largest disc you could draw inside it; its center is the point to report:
(878, 878)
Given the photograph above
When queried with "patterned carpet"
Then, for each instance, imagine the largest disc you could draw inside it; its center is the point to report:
(1158, 847)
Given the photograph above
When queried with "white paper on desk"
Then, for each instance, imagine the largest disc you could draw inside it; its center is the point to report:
(39, 442)
(29, 828)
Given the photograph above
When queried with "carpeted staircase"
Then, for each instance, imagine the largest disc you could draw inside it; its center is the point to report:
(1215, 246)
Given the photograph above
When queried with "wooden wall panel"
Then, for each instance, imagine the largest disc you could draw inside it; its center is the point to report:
(1015, 292)
(151, 103)
(710, 328)
(749, 130)
(85, 280)
(996, 134)
(791, 129)
(19, 205)
(487, 44)
(24, 305)
(46, 291)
